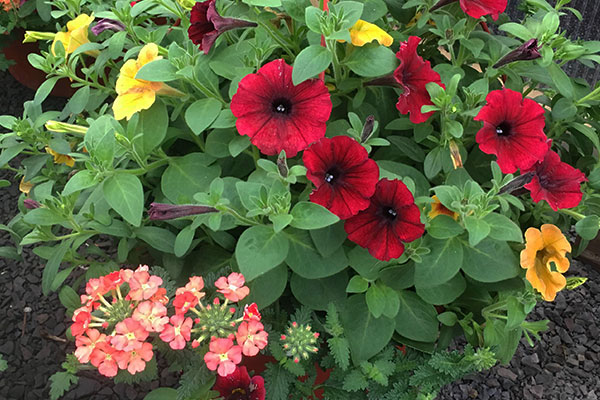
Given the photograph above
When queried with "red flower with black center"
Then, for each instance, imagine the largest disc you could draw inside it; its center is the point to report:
(239, 386)
(477, 8)
(207, 25)
(513, 130)
(344, 175)
(391, 219)
(556, 182)
(412, 75)
(277, 115)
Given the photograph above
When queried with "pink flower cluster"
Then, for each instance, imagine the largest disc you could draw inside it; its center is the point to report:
(131, 318)
(215, 321)
(114, 334)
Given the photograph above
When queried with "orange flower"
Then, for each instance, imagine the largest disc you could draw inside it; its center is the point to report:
(544, 247)
(61, 158)
(437, 208)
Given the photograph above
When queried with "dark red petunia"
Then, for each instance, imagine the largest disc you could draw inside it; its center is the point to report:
(343, 174)
(391, 219)
(239, 386)
(207, 25)
(412, 75)
(513, 130)
(556, 182)
(277, 115)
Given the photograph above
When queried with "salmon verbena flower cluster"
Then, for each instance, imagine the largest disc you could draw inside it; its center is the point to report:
(122, 311)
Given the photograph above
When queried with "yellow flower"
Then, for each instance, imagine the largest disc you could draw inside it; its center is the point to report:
(76, 35)
(25, 186)
(437, 208)
(61, 158)
(364, 32)
(134, 95)
(544, 247)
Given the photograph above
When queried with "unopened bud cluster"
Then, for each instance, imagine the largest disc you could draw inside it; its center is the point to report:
(300, 341)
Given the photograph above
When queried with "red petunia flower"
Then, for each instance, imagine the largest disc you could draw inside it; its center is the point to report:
(343, 174)
(477, 8)
(556, 182)
(513, 130)
(412, 75)
(207, 25)
(391, 219)
(277, 115)
(239, 386)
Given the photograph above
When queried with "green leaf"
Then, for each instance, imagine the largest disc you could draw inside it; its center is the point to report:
(517, 30)
(51, 268)
(503, 228)
(268, 287)
(372, 60)
(351, 10)
(82, 180)
(564, 109)
(329, 239)
(441, 264)
(11, 152)
(433, 163)
(367, 335)
(162, 393)
(183, 241)
(304, 259)
(69, 298)
(152, 127)
(445, 293)
(263, 3)
(311, 61)
(444, 227)
(561, 80)
(43, 216)
(124, 193)
(259, 250)
(201, 114)
(159, 238)
(309, 215)
(587, 228)
(365, 264)
(60, 383)
(448, 318)
(313, 15)
(99, 140)
(44, 90)
(319, 293)
(187, 176)
(490, 261)
(157, 71)
(399, 277)
(478, 229)
(376, 300)
(588, 132)
(416, 320)
(357, 284)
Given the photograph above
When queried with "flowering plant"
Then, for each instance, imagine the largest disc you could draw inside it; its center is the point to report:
(367, 168)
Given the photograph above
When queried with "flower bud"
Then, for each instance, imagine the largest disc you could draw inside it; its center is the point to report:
(367, 129)
(527, 51)
(299, 342)
(34, 36)
(107, 24)
(282, 164)
(161, 212)
(31, 204)
(56, 126)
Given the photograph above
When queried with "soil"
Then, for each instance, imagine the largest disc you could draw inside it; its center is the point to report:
(563, 365)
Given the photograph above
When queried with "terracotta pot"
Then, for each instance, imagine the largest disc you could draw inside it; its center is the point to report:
(27, 75)
(591, 255)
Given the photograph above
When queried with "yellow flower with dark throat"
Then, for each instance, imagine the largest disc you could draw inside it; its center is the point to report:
(76, 35)
(135, 95)
(61, 158)
(364, 32)
(545, 259)
(437, 208)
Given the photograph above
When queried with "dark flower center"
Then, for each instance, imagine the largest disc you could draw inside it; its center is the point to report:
(282, 106)
(503, 129)
(332, 175)
(389, 213)
(238, 394)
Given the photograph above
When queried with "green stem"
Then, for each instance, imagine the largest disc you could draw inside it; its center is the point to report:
(276, 36)
(75, 234)
(589, 96)
(337, 72)
(239, 217)
(571, 213)
(149, 167)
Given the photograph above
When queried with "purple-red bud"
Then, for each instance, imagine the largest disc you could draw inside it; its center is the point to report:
(161, 212)
(527, 51)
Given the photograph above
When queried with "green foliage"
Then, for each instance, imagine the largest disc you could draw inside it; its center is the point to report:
(3, 363)
(278, 382)
(338, 345)
(196, 380)
(148, 374)
(60, 383)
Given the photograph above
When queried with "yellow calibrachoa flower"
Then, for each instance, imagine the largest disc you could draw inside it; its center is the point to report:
(542, 248)
(76, 35)
(61, 158)
(364, 32)
(135, 95)
(25, 186)
(437, 208)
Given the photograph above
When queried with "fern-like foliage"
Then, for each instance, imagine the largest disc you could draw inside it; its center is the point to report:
(196, 381)
(168, 282)
(338, 344)
(60, 383)
(148, 374)
(303, 315)
(278, 382)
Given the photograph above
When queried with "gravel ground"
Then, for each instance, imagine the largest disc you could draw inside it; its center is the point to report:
(564, 365)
